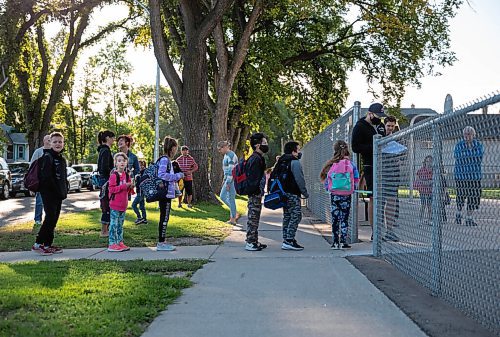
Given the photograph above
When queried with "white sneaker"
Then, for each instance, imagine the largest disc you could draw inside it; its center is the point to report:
(163, 246)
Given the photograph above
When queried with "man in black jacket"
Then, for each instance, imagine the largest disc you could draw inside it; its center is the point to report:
(53, 189)
(289, 172)
(362, 143)
(255, 167)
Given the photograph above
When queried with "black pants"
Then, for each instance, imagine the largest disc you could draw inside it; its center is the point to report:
(52, 208)
(165, 206)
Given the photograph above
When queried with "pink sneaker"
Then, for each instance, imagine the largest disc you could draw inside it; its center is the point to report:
(124, 247)
(115, 248)
(41, 250)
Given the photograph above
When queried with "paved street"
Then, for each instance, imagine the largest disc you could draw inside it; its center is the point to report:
(21, 209)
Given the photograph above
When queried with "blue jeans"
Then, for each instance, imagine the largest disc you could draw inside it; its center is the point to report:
(229, 198)
(116, 227)
(38, 207)
(139, 200)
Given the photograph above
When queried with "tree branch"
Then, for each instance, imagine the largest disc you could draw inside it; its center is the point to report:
(42, 88)
(211, 19)
(161, 51)
(221, 51)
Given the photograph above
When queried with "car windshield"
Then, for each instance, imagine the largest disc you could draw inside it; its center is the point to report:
(19, 168)
(83, 168)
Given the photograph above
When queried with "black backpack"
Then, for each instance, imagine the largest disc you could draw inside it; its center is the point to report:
(282, 173)
(242, 184)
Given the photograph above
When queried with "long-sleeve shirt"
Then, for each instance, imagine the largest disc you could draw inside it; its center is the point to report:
(119, 191)
(133, 163)
(37, 154)
(362, 139)
(53, 175)
(228, 163)
(256, 164)
(187, 163)
(298, 175)
(105, 161)
(166, 172)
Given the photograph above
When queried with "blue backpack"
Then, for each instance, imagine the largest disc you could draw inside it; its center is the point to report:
(152, 187)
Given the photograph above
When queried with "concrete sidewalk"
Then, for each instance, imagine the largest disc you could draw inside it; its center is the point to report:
(314, 292)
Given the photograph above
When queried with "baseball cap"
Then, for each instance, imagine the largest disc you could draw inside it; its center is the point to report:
(184, 147)
(377, 109)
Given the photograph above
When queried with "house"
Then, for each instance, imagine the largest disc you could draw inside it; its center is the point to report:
(13, 145)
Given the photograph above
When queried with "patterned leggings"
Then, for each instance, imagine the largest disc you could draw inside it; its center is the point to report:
(340, 207)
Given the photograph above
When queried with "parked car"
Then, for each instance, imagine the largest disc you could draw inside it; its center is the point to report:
(5, 179)
(85, 171)
(74, 180)
(18, 171)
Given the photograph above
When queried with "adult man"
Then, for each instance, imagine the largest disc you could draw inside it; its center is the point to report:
(390, 189)
(362, 143)
(188, 166)
(124, 143)
(468, 156)
(255, 167)
(38, 197)
(289, 172)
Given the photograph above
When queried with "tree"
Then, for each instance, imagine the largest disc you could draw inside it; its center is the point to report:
(42, 78)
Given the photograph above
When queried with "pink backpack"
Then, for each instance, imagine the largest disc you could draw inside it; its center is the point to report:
(340, 178)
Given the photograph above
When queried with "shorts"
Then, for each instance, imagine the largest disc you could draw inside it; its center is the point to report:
(469, 190)
(188, 187)
(368, 175)
(426, 199)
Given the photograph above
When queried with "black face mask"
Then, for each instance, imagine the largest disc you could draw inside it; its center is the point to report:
(376, 120)
(299, 155)
(264, 148)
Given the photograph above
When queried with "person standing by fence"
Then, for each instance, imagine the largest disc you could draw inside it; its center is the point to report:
(362, 143)
(228, 192)
(38, 197)
(468, 160)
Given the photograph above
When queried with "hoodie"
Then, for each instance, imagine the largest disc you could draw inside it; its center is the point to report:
(53, 175)
(166, 172)
(362, 139)
(105, 161)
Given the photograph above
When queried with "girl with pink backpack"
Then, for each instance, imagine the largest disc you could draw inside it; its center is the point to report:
(340, 176)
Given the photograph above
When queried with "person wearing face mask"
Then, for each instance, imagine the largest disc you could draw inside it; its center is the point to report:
(288, 171)
(255, 168)
(362, 143)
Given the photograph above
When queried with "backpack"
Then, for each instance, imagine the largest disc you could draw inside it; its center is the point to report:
(340, 178)
(277, 199)
(282, 173)
(105, 186)
(152, 187)
(32, 178)
(239, 174)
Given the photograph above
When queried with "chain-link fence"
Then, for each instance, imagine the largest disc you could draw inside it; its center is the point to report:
(437, 206)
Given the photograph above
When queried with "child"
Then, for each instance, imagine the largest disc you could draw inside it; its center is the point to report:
(120, 187)
(423, 184)
(53, 189)
(166, 172)
(139, 197)
(340, 197)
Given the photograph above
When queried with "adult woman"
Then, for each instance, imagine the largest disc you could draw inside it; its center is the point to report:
(228, 192)
(104, 166)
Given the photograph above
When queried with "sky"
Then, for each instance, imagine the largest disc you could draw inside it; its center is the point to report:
(474, 38)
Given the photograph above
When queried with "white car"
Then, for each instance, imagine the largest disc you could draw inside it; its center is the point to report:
(74, 180)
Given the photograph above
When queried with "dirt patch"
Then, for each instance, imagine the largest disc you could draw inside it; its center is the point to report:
(433, 315)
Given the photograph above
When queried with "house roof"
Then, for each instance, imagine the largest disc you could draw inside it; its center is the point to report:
(18, 138)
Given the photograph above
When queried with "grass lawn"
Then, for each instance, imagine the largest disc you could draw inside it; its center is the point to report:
(202, 224)
(487, 193)
(88, 298)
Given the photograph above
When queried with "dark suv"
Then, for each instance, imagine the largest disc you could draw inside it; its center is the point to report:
(18, 170)
(5, 179)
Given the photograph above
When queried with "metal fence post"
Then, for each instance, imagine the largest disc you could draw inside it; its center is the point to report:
(437, 209)
(354, 199)
(376, 241)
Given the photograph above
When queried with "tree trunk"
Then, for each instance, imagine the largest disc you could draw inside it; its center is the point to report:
(194, 118)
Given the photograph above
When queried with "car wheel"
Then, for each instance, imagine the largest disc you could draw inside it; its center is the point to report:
(5, 193)
(91, 187)
(69, 187)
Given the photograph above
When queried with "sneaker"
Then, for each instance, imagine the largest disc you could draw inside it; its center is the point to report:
(138, 221)
(144, 221)
(180, 205)
(115, 248)
(291, 245)
(255, 246)
(346, 246)
(55, 249)
(40, 249)
(335, 246)
(470, 222)
(190, 206)
(124, 247)
(163, 246)
(458, 219)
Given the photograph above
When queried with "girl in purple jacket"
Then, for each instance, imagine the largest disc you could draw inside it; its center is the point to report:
(166, 172)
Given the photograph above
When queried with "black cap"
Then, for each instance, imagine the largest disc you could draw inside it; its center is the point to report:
(377, 109)
(184, 147)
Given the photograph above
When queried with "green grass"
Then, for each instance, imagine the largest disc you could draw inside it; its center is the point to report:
(88, 298)
(202, 224)
(487, 193)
